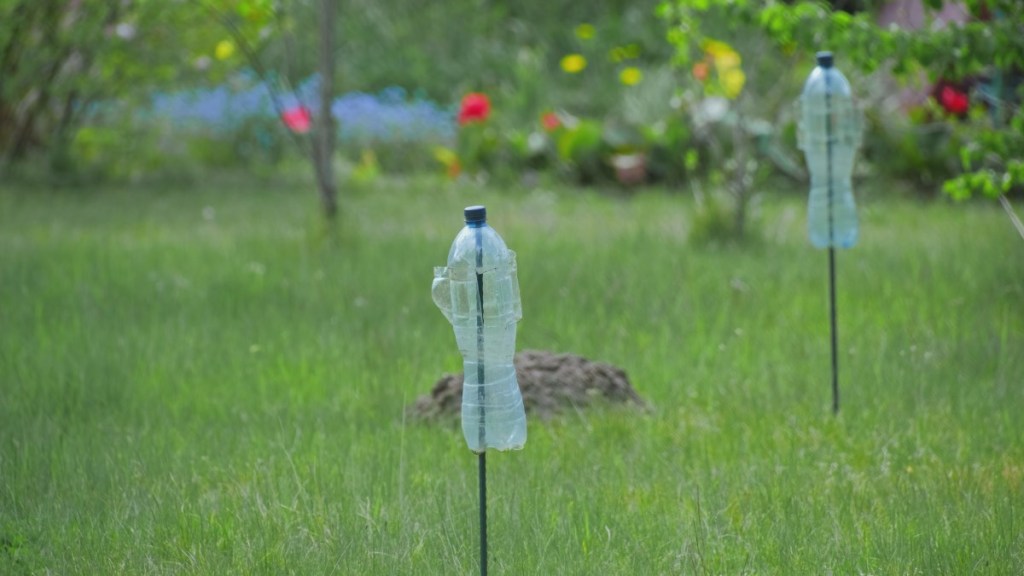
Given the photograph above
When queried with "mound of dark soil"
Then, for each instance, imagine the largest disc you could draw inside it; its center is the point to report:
(550, 384)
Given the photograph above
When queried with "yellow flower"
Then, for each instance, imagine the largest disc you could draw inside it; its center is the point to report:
(449, 160)
(732, 82)
(631, 76)
(725, 56)
(574, 63)
(715, 48)
(727, 61)
(585, 31)
(445, 156)
(224, 49)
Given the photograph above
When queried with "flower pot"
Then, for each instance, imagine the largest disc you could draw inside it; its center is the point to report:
(630, 169)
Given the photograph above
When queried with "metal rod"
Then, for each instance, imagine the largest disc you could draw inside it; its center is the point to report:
(835, 330)
(481, 398)
(482, 460)
(831, 248)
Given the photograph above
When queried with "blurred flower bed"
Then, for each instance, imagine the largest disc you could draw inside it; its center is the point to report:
(247, 122)
(603, 108)
(368, 119)
(397, 126)
(608, 93)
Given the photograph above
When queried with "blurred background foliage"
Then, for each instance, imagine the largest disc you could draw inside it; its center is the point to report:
(693, 93)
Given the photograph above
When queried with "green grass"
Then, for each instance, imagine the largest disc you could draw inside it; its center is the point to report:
(182, 394)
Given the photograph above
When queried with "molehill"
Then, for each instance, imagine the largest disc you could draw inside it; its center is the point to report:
(550, 383)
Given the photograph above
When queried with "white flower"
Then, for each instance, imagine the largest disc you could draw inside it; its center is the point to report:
(125, 31)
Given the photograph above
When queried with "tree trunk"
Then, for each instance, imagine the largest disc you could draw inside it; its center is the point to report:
(323, 146)
(740, 178)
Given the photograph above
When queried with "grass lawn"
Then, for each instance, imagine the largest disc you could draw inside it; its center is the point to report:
(204, 381)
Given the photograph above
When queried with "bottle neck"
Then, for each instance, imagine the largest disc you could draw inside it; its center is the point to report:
(476, 224)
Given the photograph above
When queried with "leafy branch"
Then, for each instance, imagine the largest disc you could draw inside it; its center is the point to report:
(990, 46)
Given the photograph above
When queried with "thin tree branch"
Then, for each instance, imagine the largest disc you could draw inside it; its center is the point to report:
(1013, 215)
(325, 134)
(261, 72)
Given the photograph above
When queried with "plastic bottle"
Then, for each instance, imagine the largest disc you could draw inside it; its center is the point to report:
(485, 330)
(829, 133)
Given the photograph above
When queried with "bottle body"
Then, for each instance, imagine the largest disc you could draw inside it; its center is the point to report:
(478, 291)
(829, 134)
(832, 214)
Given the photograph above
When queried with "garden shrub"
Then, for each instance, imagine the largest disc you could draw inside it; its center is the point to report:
(988, 47)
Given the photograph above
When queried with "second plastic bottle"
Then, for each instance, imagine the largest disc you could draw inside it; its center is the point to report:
(478, 291)
(829, 135)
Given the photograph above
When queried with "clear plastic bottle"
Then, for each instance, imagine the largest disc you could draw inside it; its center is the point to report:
(829, 133)
(478, 292)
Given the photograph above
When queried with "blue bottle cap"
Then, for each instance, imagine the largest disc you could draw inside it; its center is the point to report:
(475, 214)
(824, 59)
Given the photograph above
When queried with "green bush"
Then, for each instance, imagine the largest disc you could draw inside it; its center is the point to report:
(122, 150)
(922, 154)
(988, 45)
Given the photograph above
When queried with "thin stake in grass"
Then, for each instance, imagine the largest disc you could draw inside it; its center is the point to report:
(494, 417)
(835, 328)
(829, 134)
(832, 256)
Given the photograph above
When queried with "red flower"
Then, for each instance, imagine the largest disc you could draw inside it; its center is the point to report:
(297, 119)
(954, 101)
(550, 121)
(454, 169)
(476, 107)
(700, 71)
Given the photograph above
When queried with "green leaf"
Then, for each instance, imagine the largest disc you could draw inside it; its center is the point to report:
(957, 189)
(691, 159)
